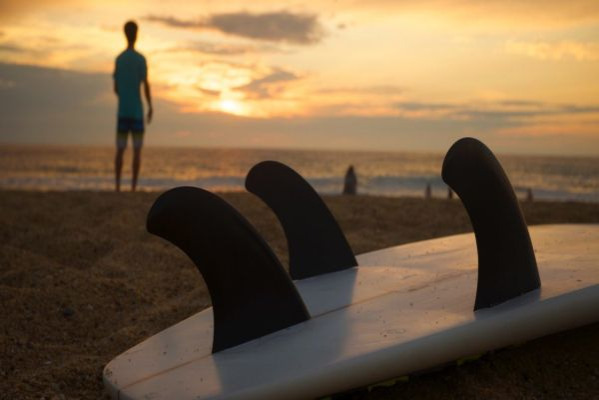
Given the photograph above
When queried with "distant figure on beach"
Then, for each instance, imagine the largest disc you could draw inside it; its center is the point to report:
(130, 71)
(529, 195)
(428, 193)
(449, 193)
(350, 185)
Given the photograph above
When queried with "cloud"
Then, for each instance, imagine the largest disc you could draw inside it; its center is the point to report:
(497, 112)
(175, 22)
(7, 84)
(415, 106)
(427, 110)
(555, 128)
(46, 105)
(51, 105)
(226, 49)
(268, 86)
(577, 109)
(282, 26)
(10, 9)
(39, 47)
(505, 110)
(558, 50)
(277, 26)
(524, 13)
(520, 103)
(5, 47)
(383, 90)
(208, 92)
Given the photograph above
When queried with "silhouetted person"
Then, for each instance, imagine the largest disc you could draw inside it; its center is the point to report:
(428, 193)
(449, 193)
(529, 195)
(130, 71)
(350, 184)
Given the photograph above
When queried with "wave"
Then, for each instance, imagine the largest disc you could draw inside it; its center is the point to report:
(386, 174)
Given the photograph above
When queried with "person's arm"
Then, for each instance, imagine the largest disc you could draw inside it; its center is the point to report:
(114, 85)
(148, 99)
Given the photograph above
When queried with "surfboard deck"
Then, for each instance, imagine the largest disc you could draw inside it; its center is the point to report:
(404, 309)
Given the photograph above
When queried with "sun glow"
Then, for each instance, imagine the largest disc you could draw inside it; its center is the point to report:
(366, 74)
(231, 106)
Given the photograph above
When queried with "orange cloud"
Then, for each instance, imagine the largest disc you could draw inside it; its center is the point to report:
(580, 51)
(552, 129)
(508, 13)
(11, 9)
(281, 26)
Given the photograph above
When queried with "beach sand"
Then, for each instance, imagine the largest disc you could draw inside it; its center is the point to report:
(82, 281)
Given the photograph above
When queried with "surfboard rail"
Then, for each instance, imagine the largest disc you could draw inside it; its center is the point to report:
(404, 309)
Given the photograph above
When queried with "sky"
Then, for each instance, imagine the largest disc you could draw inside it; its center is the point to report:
(523, 76)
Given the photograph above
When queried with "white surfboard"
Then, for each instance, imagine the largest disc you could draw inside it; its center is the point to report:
(404, 309)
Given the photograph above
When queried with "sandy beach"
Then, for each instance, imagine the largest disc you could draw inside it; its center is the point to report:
(82, 281)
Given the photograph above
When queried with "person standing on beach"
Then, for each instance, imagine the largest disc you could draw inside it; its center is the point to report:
(130, 72)
(350, 184)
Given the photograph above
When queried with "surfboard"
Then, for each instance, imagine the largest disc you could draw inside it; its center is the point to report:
(380, 315)
(405, 309)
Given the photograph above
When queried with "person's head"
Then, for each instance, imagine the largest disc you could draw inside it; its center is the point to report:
(131, 32)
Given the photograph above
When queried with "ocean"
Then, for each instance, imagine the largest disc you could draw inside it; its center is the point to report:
(379, 173)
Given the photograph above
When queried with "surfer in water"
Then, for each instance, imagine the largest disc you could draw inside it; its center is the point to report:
(130, 72)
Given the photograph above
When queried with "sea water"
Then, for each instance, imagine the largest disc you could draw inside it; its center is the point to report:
(379, 173)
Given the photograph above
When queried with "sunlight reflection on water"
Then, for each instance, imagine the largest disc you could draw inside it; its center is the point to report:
(389, 174)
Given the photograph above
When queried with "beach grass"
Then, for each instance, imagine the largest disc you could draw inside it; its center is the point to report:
(82, 281)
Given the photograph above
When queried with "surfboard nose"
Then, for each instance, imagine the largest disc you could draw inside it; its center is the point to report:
(251, 293)
(506, 261)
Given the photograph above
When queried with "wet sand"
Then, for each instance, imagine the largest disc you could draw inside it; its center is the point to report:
(81, 281)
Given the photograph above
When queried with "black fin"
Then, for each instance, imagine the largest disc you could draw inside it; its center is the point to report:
(251, 293)
(506, 261)
(315, 240)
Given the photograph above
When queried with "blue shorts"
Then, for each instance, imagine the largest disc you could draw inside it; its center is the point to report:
(126, 125)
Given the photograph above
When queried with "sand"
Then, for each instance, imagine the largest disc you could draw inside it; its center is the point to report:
(82, 281)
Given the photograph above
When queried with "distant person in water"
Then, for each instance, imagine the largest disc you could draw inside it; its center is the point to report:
(350, 184)
(130, 71)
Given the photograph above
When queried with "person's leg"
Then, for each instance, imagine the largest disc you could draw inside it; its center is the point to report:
(137, 144)
(136, 164)
(121, 144)
(118, 167)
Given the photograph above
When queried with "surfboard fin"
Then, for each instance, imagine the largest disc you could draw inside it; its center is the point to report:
(251, 293)
(316, 243)
(506, 261)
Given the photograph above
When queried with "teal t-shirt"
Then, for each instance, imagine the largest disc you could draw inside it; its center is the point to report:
(130, 71)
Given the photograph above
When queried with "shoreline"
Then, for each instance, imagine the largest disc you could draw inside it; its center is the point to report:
(82, 281)
(520, 194)
(387, 174)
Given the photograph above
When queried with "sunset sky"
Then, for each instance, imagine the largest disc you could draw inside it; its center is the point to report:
(523, 76)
